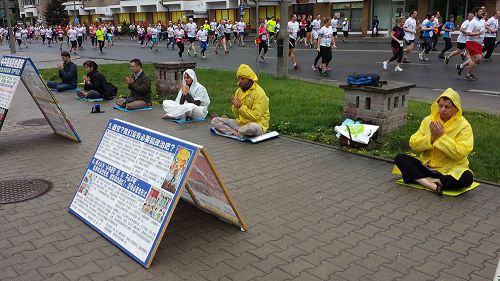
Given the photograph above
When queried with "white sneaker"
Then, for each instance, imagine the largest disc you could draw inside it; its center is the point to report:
(398, 69)
(384, 65)
(421, 56)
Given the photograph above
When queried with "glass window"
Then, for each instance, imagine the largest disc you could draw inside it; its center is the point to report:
(177, 16)
(140, 17)
(160, 17)
(124, 18)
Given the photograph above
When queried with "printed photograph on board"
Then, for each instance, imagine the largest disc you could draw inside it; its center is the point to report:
(156, 204)
(177, 169)
(87, 182)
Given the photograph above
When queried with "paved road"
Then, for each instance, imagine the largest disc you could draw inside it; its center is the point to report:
(356, 57)
(315, 213)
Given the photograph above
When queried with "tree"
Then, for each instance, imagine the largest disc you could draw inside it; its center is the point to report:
(55, 14)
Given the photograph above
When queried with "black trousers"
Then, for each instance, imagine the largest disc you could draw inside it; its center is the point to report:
(412, 169)
(447, 45)
(397, 54)
(489, 46)
(263, 46)
(181, 48)
(101, 45)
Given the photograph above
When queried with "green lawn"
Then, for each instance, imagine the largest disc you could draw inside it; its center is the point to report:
(310, 111)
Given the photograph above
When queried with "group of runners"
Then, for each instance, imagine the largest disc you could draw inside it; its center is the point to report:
(477, 36)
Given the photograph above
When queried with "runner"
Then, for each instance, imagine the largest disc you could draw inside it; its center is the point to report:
(227, 33)
(212, 33)
(18, 36)
(293, 28)
(262, 39)
(60, 36)
(191, 28)
(475, 35)
(326, 39)
(131, 29)
(202, 36)
(154, 38)
(171, 35)
(448, 27)
(271, 28)
(491, 35)
(48, 34)
(302, 31)
(397, 34)
(93, 41)
(436, 31)
(461, 40)
(79, 33)
(99, 34)
(179, 39)
(427, 28)
(206, 26)
(345, 28)
(410, 29)
(334, 23)
(119, 31)
(240, 28)
(140, 34)
(72, 35)
(43, 31)
(24, 35)
(316, 26)
(221, 28)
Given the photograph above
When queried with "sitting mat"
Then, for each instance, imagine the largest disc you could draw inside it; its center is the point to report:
(253, 140)
(88, 100)
(445, 192)
(181, 121)
(76, 90)
(127, 110)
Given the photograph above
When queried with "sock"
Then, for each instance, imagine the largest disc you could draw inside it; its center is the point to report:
(462, 65)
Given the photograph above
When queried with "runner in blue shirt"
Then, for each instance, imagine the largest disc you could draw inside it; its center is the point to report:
(448, 28)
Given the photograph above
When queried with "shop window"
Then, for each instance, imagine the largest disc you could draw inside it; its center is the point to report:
(177, 17)
(140, 18)
(160, 17)
(124, 18)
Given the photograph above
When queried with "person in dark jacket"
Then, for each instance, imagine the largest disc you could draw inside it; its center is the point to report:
(67, 73)
(375, 24)
(139, 85)
(95, 84)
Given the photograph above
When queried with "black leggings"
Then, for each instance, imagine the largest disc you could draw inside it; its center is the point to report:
(447, 45)
(326, 54)
(318, 56)
(489, 46)
(181, 48)
(397, 54)
(427, 44)
(101, 44)
(80, 41)
(412, 169)
(263, 46)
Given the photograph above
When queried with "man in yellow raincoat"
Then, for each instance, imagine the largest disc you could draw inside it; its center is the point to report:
(443, 142)
(250, 106)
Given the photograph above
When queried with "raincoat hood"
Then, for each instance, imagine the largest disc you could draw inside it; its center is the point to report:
(197, 91)
(191, 74)
(455, 98)
(244, 71)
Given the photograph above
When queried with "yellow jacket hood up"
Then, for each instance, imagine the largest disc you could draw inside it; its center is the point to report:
(448, 154)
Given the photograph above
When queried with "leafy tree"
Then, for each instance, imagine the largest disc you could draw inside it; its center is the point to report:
(54, 13)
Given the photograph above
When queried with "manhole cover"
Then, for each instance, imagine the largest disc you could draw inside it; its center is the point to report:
(12, 191)
(34, 122)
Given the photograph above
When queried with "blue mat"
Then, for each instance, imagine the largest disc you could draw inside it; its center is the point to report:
(181, 121)
(126, 110)
(88, 100)
(76, 90)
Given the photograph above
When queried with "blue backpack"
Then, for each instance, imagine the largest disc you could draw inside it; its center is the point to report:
(365, 80)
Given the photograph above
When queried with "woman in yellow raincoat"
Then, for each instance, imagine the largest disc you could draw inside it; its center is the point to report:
(443, 142)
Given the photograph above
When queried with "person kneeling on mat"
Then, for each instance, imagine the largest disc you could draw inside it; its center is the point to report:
(444, 140)
(192, 100)
(139, 85)
(68, 74)
(95, 84)
(250, 106)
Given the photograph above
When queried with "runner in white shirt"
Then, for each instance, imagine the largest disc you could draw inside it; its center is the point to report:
(345, 28)
(191, 29)
(170, 35)
(410, 28)
(227, 33)
(179, 39)
(202, 36)
(220, 31)
(326, 44)
(475, 35)
(42, 34)
(434, 36)
(461, 40)
(334, 23)
(131, 29)
(48, 34)
(79, 32)
(316, 26)
(72, 35)
(154, 38)
(213, 28)
(119, 31)
(293, 29)
(140, 34)
(490, 36)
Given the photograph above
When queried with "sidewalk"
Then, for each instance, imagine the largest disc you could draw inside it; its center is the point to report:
(314, 213)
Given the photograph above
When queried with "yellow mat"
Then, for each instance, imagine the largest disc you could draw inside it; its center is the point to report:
(445, 192)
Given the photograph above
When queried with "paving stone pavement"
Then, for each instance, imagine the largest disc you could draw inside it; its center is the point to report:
(315, 213)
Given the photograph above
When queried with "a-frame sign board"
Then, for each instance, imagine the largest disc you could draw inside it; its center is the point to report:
(14, 69)
(134, 181)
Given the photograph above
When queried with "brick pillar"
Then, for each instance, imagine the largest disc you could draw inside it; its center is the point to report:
(365, 25)
(423, 8)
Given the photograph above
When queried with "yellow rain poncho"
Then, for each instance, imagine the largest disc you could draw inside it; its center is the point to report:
(255, 103)
(448, 154)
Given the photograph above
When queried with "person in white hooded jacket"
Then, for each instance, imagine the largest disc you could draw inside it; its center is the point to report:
(192, 100)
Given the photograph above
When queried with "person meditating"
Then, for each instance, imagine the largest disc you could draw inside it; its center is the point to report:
(444, 140)
(192, 100)
(250, 106)
(139, 86)
(95, 84)
(67, 73)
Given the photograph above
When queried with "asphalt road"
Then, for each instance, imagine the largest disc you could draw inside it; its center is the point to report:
(350, 57)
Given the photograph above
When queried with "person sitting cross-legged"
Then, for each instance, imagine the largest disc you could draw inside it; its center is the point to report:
(192, 100)
(95, 84)
(250, 106)
(443, 141)
(139, 85)
(67, 73)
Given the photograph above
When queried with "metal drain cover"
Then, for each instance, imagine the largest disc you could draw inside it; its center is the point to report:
(18, 190)
(34, 122)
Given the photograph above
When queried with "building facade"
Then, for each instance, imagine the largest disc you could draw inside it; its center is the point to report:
(13, 6)
(359, 12)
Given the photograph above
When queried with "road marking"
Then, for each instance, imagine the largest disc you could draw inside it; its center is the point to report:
(422, 64)
(492, 93)
(437, 90)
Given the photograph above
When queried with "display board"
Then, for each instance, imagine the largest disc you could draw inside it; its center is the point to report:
(132, 185)
(25, 69)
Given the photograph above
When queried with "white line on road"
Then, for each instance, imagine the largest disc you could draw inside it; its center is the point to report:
(493, 93)
(490, 95)
(423, 64)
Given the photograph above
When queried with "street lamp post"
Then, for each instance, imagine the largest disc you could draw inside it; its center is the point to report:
(9, 26)
(283, 41)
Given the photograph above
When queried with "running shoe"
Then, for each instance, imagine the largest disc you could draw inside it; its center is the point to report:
(441, 56)
(189, 53)
(486, 59)
(328, 68)
(324, 74)
(470, 77)
(398, 69)
(446, 60)
(406, 61)
(421, 56)
(426, 59)
(459, 69)
(384, 65)
(314, 68)
(296, 67)
(462, 55)
(203, 57)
